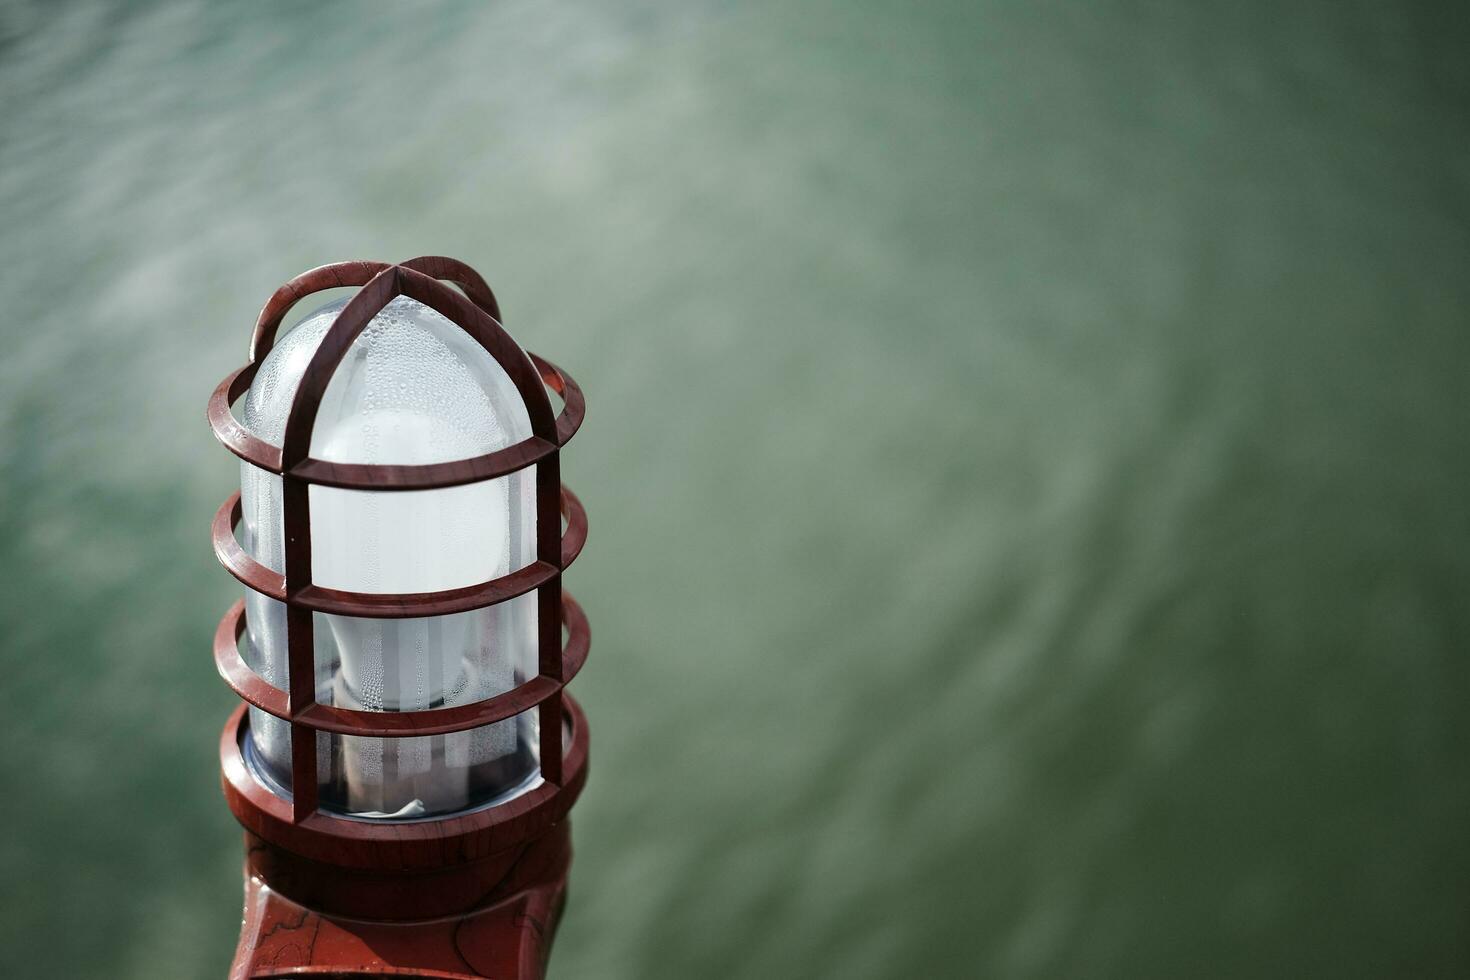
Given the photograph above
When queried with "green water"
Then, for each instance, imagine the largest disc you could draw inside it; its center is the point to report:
(1026, 462)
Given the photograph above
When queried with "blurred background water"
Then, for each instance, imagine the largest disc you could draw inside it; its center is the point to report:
(1026, 461)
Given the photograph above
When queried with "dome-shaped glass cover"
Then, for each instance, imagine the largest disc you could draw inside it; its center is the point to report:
(413, 388)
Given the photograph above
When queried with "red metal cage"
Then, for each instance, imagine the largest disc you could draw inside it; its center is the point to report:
(298, 825)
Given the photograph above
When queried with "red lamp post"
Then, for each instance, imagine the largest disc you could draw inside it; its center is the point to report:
(406, 757)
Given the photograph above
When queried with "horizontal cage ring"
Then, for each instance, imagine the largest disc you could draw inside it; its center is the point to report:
(260, 693)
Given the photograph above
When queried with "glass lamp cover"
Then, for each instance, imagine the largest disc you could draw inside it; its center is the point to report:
(413, 388)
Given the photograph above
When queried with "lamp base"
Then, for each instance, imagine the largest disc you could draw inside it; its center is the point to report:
(507, 933)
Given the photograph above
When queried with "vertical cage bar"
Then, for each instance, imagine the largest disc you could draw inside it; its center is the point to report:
(550, 716)
(300, 652)
(548, 611)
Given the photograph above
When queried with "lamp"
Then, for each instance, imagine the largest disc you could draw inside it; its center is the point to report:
(406, 755)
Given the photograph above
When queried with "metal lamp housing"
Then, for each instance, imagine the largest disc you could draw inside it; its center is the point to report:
(404, 642)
